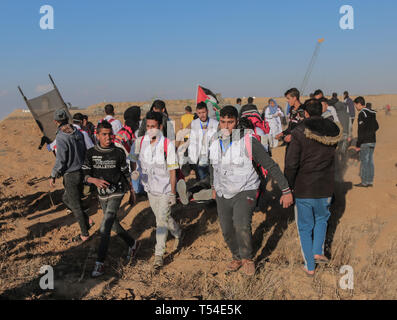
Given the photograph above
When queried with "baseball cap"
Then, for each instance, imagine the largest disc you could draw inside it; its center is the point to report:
(78, 117)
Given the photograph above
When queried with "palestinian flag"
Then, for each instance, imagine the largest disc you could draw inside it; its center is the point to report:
(206, 95)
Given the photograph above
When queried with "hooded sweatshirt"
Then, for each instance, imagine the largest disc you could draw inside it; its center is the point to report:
(367, 127)
(70, 150)
(350, 105)
(309, 164)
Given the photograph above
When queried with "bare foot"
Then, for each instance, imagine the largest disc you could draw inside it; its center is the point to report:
(309, 273)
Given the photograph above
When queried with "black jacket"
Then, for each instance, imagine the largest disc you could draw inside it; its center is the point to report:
(367, 127)
(295, 118)
(309, 163)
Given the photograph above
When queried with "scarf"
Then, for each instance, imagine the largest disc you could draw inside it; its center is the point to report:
(274, 109)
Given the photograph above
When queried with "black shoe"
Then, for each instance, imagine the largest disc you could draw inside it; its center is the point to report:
(370, 185)
(361, 185)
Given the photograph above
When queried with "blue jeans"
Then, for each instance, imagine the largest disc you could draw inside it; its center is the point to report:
(202, 172)
(311, 216)
(367, 169)
(137, 185)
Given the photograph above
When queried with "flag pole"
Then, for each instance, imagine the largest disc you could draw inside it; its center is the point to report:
(59, 94)
(196, 94)
(26, 100)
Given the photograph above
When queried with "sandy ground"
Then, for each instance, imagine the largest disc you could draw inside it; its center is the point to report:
(35, 230)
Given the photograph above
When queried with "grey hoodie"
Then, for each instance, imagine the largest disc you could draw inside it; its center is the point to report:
(70, 151)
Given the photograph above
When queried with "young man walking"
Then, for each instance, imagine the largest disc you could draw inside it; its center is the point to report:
(366, 141)
(70, 155)
(238, 105)
(309, 168)
(89, 127)
(157, 164)
(201, 131)
(328, 110)
(350, 106)
(235, 183)
(187, 118)
(105, 166)
(167, 124)
(116, 124)
(296, 114)
(125, 138)
(78, 124)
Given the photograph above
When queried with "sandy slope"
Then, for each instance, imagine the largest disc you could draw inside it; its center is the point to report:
(35, 230)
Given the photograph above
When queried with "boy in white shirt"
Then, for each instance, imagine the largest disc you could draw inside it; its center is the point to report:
(157, 164)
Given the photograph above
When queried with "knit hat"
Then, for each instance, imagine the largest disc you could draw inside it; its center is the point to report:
(61, 115)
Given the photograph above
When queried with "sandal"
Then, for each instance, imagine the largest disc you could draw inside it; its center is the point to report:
(78, 239)
(310, 275)
(323, 260)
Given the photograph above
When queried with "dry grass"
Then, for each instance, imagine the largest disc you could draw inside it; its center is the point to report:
(279, 275)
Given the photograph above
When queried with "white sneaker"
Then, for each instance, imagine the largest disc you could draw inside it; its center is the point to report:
(99, 269)
(158, 262)
(132, 251)
(181, 189)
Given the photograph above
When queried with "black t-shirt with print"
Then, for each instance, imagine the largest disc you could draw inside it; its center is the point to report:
(108, 164)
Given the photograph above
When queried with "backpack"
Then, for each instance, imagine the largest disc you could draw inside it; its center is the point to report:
(125, 137)
(262, 172)
(257, 121)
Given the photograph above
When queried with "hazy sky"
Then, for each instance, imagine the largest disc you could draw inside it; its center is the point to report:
(135, 50)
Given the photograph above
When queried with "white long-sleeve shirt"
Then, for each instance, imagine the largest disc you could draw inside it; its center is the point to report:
(116, 124)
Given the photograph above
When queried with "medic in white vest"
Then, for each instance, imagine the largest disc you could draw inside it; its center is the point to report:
(234, 156)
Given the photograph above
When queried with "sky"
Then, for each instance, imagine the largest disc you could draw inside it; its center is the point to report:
(135, 50)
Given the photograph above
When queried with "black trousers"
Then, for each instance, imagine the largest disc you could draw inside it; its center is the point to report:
(235, 218)
(73, 184)
(110, 206)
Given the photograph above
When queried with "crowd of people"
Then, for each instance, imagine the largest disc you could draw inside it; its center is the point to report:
(231, 160)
